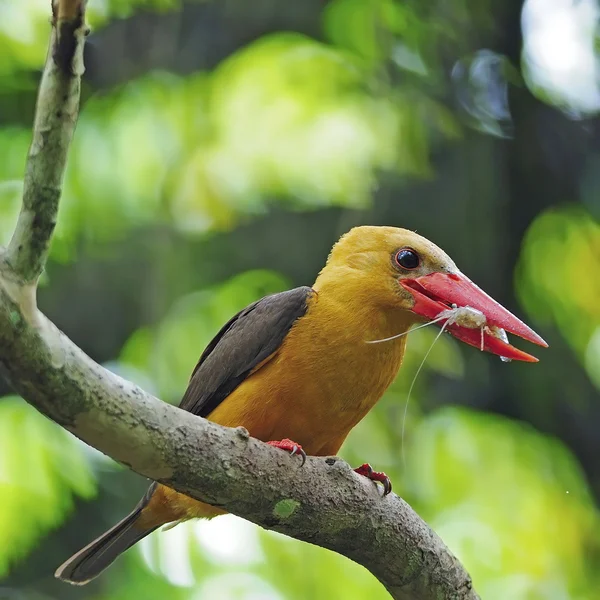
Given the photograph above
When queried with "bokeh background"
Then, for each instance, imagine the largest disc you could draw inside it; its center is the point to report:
(223, 146)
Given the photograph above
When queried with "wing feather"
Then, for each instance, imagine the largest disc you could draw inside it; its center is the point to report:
(244, 342)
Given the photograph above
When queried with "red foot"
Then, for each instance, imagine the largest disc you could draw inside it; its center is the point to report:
(366, 470)
(291, 447)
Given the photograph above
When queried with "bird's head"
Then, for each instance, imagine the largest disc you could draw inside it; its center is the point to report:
(401, 270)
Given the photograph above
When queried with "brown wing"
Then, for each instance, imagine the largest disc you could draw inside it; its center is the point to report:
(245, 341)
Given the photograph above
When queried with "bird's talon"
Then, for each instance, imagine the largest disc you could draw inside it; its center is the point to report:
(387, 486)
(302, 454)
(367, 471)
(291, 447)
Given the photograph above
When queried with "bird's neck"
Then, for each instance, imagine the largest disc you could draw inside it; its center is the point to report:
(350, 296)
(343, 319)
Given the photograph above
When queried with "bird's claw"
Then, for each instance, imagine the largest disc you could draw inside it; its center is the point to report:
(291, 447)
(367, 471)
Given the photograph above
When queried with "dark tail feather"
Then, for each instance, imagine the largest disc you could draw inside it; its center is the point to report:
(95, 557)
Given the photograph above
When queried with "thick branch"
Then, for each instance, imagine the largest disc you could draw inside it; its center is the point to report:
(324, 502)
(56, 115)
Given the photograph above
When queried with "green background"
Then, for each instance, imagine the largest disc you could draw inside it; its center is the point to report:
(222, 148)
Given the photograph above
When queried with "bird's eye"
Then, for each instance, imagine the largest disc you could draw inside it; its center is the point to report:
(407, 259)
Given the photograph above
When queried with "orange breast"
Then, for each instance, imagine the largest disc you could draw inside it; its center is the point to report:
(314, 389)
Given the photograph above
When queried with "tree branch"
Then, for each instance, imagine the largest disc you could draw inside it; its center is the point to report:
(56, 115)
(324, 502)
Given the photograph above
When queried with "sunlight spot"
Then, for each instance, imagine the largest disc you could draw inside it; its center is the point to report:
(559, 51)
(236, 586)
(229, 540)
(167, 553)
(174, 555)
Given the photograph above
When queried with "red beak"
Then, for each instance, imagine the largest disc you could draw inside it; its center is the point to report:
(437, 292)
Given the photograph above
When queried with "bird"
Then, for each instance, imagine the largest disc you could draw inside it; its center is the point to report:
(294, 368)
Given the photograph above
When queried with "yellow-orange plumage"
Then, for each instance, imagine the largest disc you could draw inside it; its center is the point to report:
(322, 380)
(299, 365)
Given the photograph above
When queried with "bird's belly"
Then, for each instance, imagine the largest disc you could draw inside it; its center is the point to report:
(306, 401)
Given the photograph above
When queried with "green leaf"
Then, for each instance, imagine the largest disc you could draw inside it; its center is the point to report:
(42, 469)
(573, 305)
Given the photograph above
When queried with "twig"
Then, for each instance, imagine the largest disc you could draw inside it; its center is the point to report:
(56, 115)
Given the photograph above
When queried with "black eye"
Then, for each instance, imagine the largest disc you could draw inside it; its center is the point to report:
(407, 259)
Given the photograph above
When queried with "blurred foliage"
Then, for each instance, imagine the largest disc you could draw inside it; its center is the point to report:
(287, 111)
(564, 292)
(42, 468)
(24, 27)
(221, 148)
(502, 495)
(13, 149)
(124, 8)
(169, 354)
(352, 581)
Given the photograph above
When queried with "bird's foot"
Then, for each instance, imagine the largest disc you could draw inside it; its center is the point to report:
(291, 447)
(367, 471)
